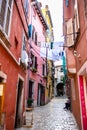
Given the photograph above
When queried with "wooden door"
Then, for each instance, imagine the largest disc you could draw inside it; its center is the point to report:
(1, 99)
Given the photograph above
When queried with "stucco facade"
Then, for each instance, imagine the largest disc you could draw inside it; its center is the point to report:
(77, 52)
(49, 40)
(13, 28)
(37, 80)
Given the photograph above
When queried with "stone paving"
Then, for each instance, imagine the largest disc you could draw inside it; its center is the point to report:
(53, 117)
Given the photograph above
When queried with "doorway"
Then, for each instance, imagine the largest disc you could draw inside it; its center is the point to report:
(41, 95)
(19, 103)
(60, 89)
(30, 92)
(2, 86)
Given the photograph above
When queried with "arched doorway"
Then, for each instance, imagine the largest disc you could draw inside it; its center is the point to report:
(60, 89)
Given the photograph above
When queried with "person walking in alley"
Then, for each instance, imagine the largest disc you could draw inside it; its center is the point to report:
(68, 104)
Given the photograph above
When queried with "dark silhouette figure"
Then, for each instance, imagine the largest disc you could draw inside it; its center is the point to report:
(68, 104)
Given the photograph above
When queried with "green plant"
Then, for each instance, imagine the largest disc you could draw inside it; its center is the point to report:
(34, 69)
(29, 102)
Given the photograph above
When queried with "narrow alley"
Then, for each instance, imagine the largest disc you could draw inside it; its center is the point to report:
(52, 117)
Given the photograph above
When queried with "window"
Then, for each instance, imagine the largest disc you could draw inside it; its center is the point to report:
(76, 20)
(16, 42)
(70, 39)
(51, 45)
(34, 61)
(5, 13)
(26, 6)
(36, 38)
(24, 43)
(44, 69)
(67, 3)
(85, 4)
(32, 33)
(24, 55)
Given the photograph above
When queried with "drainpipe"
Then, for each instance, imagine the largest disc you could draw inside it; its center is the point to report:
(46, 66)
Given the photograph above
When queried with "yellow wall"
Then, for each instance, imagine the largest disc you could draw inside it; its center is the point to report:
(48, 40)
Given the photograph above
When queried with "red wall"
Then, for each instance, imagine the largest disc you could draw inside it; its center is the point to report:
(10, 67)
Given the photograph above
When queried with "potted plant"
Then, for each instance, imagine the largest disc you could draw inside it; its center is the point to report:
(34, 70)
(29, 102)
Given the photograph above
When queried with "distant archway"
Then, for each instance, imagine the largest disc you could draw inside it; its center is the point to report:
(60, 89)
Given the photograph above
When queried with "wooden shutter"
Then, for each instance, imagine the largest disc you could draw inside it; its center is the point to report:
(70, 41)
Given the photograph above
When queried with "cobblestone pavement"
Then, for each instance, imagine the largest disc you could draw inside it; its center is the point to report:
(53, 117)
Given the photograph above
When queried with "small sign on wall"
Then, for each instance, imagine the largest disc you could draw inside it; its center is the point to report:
(1, 89)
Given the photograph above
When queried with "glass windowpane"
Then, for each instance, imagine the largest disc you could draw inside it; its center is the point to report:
(10, 2)
(7, 21)
(2, 12)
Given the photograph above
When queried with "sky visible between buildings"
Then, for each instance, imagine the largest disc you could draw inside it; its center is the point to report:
(56, 11)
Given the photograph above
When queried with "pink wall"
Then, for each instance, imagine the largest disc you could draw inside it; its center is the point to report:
(39, 28)
(10, 67)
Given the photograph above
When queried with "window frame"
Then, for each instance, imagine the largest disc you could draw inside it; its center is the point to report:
(44, 69)
(26, 8)
(85, 8)
(70, 33)
(34, 61)
(7, 8)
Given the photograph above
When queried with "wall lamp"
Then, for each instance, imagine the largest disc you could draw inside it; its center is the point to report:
(76, 54)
